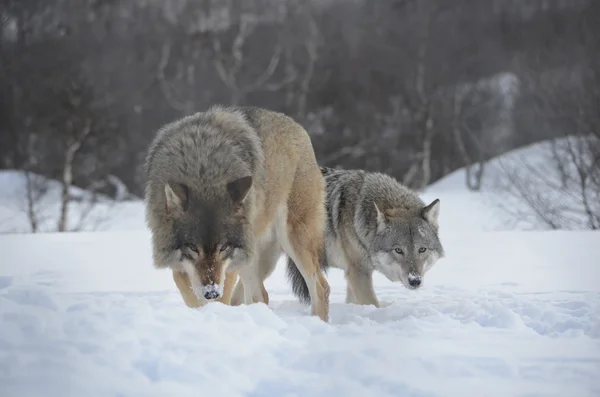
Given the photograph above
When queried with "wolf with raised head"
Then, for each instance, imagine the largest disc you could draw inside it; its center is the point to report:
(226, 190)
(374, 223)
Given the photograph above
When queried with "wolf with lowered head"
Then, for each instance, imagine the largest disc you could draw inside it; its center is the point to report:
(226, 190)
(374, 223)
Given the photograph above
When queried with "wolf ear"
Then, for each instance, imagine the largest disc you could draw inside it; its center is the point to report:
(238, 189)
(431, 212)
(177, 198)
(381, 220)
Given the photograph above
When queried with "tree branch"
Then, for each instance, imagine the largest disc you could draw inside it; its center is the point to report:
(165, 56)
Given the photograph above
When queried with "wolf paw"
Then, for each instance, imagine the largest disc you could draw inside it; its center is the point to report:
(385, 303)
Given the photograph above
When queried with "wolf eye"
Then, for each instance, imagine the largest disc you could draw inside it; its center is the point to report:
(192, 248)
(399, 251)
(224, 247)
(422, 249)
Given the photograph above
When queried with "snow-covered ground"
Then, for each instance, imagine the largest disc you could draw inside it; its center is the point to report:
(504, 314)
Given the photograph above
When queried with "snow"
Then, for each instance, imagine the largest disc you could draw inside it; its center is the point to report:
(505, 313)
(516, 314)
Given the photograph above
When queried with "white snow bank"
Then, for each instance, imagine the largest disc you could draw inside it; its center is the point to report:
(505, 314)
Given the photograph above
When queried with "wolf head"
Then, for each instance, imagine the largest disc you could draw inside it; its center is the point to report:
(406, 243)
(207, 234)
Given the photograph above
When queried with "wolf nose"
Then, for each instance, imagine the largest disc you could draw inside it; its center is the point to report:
(414, 281)
(211, 292)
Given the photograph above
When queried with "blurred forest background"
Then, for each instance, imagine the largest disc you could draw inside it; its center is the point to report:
(414, 88)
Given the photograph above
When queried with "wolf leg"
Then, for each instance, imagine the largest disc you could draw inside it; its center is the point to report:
(303, 244)
(183, 284)
(361, 285)
(237, 297)
(350, 297)
(318, 287)
(252, 284)
(267, 260)
(238, 294)
(230, 279)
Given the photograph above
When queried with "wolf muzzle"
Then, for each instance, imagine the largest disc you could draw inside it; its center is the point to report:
(414, 280)
(211, 292)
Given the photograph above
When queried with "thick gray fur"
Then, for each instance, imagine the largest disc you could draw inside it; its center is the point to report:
(202, 152)
(361, 237)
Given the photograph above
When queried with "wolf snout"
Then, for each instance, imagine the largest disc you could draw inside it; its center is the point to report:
(414, 280)
(211, 292)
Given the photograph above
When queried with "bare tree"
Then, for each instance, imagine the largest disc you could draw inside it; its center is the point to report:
(229, 49)
(67, 175)
(184, 106)
(53, 110)
(482, 114)
(375, 82)
(46, 206)
(429, 83)
(558, 185)
(474, 170)
(34, 190)
(229, 64)
(311, 42)
(420, 103)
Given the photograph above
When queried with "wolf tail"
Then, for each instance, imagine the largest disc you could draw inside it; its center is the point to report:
(299, 287)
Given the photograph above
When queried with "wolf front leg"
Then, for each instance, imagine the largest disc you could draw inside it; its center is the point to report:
(252, 287)
(360, 288)
(350, 297)
(230, 279)
(185, 289)
(253, 276)
(238, 296)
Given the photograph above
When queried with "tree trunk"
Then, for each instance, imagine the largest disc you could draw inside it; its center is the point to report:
(31, 214)
(67, 179)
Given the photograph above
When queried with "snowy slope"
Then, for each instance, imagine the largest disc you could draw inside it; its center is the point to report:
(515, 314)
(518, 184)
